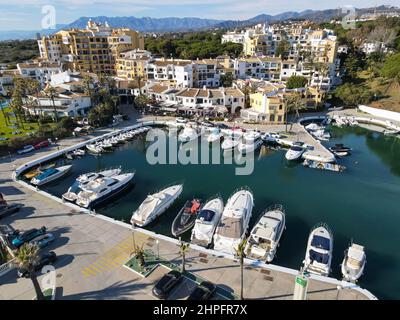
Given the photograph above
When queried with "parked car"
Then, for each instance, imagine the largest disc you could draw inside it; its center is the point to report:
(45, 259)
(164, 286)
(8, 209)
(28, 236)
(43, 240)
(42, 144)
(26, 149)
(204, 291)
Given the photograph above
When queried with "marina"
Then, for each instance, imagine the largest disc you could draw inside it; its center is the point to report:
(121, 208)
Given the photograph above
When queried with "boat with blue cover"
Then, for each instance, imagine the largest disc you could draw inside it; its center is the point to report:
(50, 175)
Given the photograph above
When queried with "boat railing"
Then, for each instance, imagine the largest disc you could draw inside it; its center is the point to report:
(246, 188)
(215, 196)
(324, 225)
(276, 207)
(181, 182)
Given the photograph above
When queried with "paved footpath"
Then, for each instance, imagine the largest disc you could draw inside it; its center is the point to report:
(92, 251)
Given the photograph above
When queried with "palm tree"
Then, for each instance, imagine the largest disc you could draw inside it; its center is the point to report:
(294, 102)
(89, 83)
(26, 258)
(240, 252)
(34, 87)
(183, 248)
(139, 255)
(51, 92)
(2, 99)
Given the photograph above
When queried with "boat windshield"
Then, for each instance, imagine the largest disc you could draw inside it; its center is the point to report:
(296, 148)
(319, 257)
(321, 243)
(206, 215)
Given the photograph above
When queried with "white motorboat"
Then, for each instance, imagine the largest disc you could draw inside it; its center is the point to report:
(313, 127)
(354, 263)
(215, 135)
(105, 145)
(207, 221)
(321, 134)
(101, 189)
(155, 205)
(50, 174)
(80, 182)
(115, 140)
(294, 153)
(234, 222)
(189, 133)
(79, 152)
(232, 140)
(94, 148)
(251, 142)
(271, 137)
(264, 237)
(319, 251)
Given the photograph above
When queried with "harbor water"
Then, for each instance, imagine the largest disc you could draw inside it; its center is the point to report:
(360, 204)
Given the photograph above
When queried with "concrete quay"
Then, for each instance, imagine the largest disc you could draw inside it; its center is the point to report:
(93, 249)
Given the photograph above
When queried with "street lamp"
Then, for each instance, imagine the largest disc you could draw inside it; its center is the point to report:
(133, 236)
(158, 249)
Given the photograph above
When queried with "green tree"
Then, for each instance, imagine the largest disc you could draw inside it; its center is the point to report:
(391, 68)
(183, 248)
(51, 92)
(26, 258)
(226, 80)
(294, 103)
(240, 253)
(282, 50)
(296, 82)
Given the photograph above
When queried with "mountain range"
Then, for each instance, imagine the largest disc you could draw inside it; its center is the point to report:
(171, 24)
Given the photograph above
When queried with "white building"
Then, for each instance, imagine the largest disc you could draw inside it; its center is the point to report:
(40, 71)
(6, 81)
(233, 37)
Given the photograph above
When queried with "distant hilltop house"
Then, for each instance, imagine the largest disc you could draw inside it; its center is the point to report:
(369, 47)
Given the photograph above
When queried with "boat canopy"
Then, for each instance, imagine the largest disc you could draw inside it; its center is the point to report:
(267, 228)
(206, 215)
(321, 242)
(319, 257)
(46, 173)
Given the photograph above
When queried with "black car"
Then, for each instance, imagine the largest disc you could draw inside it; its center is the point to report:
(204, 291)
(45, 259)
(166, 284)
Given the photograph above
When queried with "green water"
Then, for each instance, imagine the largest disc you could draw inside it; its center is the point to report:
(360, 204)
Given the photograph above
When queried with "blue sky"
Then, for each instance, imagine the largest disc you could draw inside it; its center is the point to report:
(26, 14)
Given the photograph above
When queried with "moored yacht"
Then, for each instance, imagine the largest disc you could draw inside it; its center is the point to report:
(80, 182)
(186, 217)
(264, 237)
(251, 142)
(50, 175)
(354, 263)
(295, 152)
(189, 133)
(231, 141)
(234, 222)
(319, 251)
(155, 205)
(101, 189)
(207, 221)
(340, 150)
(215, 135)
(94, 148)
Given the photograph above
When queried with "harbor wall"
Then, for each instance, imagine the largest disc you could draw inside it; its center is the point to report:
(390, 115)
(254, 263)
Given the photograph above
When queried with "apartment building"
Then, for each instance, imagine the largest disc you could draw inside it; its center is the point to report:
(7, 81)
(178, 73)
(268, 68)
(41, 71)
(131, 65)
(207, 73)
(94, 49)
(234, 37)
(195, 100)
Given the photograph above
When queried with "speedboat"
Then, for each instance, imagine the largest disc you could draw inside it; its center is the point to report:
(251, 142)
(319, 251)
(340, 150)
(313, 127)
(294, 153)
(232, 141)
(79, 152)
(207, 221)
(271, 137)
(105, 145)
(80, 182)
(186, 217)
(321, 134)
(234, 222)
(264, 237)
(155, 205)
(215, 135)
(101, 189)
(354, 263)
(189, 134)
(94, 148)
(51, 174)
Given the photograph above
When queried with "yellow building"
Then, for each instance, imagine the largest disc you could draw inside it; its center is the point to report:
(94, 49)
(256, 45)
(265, 107)
(131, 65)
